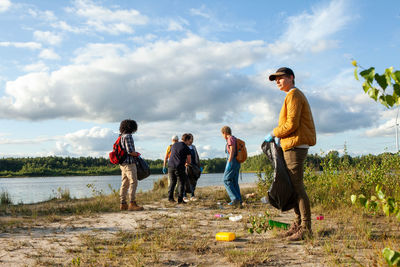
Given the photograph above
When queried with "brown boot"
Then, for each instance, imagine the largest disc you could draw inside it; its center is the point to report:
(294, 228)
(302, 234)
(134, 207)
(123, 206)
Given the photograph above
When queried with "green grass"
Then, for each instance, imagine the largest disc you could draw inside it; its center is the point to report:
(348, 236)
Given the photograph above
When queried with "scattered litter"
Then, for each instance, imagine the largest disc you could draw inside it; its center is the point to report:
(225, 236)
(320, 218)
(235, 218)
(219, 215)
(220, 206)
(273, 223)
(250, 195)
(264, 200)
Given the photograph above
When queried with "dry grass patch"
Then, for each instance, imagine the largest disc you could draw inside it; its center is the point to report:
(184, 235)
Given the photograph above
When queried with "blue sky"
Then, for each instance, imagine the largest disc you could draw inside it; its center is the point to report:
(72, 70)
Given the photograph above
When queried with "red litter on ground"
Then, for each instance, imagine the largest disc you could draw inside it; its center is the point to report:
(320, 218)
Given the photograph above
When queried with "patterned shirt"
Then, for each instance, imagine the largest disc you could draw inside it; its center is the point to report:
(129, 145)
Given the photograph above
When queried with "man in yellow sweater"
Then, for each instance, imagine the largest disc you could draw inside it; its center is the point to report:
(296, 132)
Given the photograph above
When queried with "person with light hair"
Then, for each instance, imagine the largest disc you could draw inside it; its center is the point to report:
(232, 168)
(174, 139)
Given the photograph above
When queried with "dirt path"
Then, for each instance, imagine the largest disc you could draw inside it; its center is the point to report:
(45, 243)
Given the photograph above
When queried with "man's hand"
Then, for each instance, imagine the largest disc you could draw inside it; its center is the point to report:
(269, 138)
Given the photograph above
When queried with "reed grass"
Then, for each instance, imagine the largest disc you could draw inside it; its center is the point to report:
(5, 198)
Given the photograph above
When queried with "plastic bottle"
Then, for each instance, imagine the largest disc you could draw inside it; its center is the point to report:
(219, 215)
(235, 218)
(264, 200)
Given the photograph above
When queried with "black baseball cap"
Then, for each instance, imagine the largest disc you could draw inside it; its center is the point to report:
(281, 71)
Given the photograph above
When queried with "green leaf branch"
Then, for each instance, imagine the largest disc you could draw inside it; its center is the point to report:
(389, 205)
(384, 88)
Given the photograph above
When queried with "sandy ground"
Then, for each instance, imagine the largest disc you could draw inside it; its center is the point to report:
(26, 246)
(45, 243)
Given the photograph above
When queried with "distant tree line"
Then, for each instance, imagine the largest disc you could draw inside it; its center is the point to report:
(71, 166)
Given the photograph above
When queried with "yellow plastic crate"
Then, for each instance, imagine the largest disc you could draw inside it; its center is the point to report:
(225, 236)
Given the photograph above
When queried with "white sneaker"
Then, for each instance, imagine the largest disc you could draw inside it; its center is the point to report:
(185, 199)
(193, 199)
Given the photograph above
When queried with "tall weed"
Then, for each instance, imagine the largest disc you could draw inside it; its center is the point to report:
(5, 198)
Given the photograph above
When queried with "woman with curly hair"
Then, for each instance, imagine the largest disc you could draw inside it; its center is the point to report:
(129, 179)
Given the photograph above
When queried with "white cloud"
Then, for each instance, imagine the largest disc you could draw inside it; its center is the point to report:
(105, 78)
(208, 151)
(202, 12)
(4, 5)
(107, 20)
(387, 129)
(144, 39)
(47, 37)
(386, 126)
(44, 15)
(35, 67)
(95, 142)
(197, 77)
(38, 140)
(62, 25)
(209, 23)
(90, 142)
(323, 45)
(310, 31)
(49, 54)
(93, 52)
(28, 45)
(177, 25)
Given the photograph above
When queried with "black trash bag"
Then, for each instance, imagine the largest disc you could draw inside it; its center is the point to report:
(193, 174)
(143, 169)
(193, 171)
(281, 194)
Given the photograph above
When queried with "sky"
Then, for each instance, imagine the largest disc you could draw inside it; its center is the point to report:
(71, 71)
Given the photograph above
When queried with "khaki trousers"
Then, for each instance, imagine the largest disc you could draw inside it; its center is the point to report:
(295, 159)
(128, 182)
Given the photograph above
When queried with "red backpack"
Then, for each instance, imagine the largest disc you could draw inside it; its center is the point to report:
(118, 155)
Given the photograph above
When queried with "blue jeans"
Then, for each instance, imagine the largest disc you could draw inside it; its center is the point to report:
(231, 180)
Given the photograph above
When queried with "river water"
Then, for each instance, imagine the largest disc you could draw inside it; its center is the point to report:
(37, 189)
